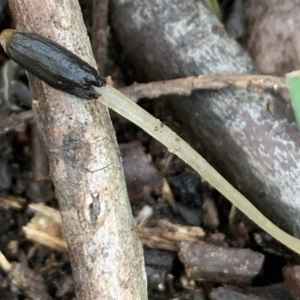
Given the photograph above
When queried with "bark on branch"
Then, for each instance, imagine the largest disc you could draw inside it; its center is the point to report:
(105, 253)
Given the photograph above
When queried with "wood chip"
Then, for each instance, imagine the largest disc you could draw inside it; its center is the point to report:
(166, 236)
(218, 264)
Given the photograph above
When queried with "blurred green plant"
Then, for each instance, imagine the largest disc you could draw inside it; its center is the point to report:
(214, 7)
(293, 84)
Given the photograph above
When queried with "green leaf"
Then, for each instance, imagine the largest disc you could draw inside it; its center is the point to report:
(214, 7)
(293, 84)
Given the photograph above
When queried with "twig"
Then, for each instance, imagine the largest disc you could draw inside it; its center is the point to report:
(180, 86)
(220, 264)
(12, 202)
(45, 239)
(105, 253)
(166, 236)
(45, 228)
(185, 86)
(4, 263)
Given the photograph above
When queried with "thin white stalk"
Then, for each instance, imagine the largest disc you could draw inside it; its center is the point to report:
(121, 104)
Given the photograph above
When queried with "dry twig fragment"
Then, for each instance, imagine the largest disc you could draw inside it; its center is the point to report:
(185, 86)
(219, 264)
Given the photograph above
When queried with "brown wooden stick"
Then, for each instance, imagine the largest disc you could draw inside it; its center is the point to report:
(185, 86)
(105, 253)
(180, 86)
(219, 264)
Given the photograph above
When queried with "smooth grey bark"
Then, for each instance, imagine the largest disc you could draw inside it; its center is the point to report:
(250, 138)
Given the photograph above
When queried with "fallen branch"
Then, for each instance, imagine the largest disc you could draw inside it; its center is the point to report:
(220, 264)
(185, 86)
(105, 253)
(180, 86)
(45, 228)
